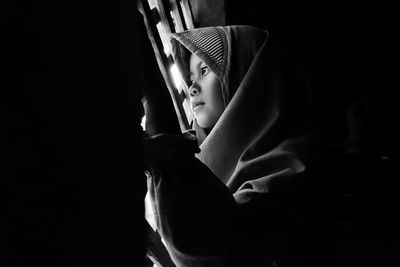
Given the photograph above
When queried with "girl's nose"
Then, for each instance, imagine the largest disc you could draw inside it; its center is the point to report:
(194, 90)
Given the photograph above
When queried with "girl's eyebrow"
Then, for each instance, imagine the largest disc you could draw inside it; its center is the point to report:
(196, 66)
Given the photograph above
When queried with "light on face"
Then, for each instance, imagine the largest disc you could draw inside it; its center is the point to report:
(176, 76)
(143, 123)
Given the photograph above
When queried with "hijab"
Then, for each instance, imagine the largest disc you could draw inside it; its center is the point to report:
(257, 145)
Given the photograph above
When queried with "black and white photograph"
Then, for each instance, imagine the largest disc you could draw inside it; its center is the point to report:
(200, 133)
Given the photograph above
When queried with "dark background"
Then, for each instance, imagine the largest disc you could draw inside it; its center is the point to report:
(71, 182)
(70, 100)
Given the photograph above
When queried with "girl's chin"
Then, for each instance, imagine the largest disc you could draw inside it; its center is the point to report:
(203, 122)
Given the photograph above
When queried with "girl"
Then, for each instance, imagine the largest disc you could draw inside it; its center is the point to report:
(232, 191)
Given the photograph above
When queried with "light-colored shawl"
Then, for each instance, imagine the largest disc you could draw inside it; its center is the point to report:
(255, 146)
(232, 204)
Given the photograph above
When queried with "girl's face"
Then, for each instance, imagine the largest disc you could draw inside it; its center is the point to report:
(205, 94)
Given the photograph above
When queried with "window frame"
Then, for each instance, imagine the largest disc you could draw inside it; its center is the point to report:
(172, 16)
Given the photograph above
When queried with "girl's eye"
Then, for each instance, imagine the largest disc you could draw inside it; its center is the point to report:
(204, 70)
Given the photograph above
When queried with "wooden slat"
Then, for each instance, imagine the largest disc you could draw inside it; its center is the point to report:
(187, 14)
(166, 16)
(163, 61)
(178, 16)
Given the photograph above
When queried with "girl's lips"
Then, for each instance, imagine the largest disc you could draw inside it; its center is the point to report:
(197, 105)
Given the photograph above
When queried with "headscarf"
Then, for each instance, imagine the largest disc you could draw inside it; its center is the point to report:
(257, 145)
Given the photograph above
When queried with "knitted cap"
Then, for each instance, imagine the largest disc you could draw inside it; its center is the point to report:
(209, 44)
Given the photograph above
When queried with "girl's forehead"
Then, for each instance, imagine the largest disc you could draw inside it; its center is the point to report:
(194, 61)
